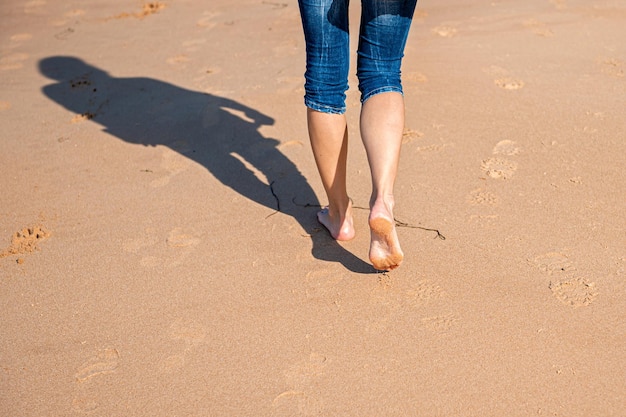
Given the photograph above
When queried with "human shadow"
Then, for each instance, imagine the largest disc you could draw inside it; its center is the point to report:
(217, 132)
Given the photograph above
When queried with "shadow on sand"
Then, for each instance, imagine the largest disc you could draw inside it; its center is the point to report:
(219, 133)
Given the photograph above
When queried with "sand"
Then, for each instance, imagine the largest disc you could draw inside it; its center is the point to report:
(159, 249)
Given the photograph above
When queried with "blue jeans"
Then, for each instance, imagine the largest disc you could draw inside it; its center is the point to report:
(382, 37)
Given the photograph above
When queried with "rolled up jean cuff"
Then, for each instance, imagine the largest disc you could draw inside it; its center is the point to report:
(388, 89)
(323, 108)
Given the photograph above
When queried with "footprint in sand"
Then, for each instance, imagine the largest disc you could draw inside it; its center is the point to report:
(291, 403)
(68, 17)
(388, 300)
(392, 301)
(495, 70)
(105, 362)
(151, 261)
(147, 9)
(173, 162)
(445, 31)
(576, 292)
(294, 143)
(193, 45)
(499, 168)
(301, 378)
(440, 323)
(179, 60)
(326, 276)
(424, 290)
(13, 61)
(506, 147)
(480, 196)
(416, 293)
(64, 34)
(26, 241)
(553, 262)
(385, 281)
(509, 83)
(84, 404)
(613, 67)
(181, 246)
(192, 333)
(207, 20)
(504, 80)
(321, 287)
(410, 135)
(21, 37)
(172, 363)
(387, 293)
(35, 6)
(178, 239)
(419, 293)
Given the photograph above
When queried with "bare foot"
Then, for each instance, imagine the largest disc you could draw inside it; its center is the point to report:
(340, 227)
(385, 251)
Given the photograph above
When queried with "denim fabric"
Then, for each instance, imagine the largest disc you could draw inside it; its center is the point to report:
(382, 37)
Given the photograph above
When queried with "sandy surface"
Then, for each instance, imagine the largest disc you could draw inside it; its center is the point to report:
(146, 271)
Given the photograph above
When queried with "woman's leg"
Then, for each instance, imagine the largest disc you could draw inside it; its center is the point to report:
(384, 30)
(382, 123)
(325, 24)
(329, 140)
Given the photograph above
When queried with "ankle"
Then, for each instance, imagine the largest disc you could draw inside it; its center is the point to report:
(340, 208)
(378, 201)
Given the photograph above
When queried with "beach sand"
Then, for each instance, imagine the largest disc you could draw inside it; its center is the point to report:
(159, 253)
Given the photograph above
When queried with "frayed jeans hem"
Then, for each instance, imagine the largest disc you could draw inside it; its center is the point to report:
(387, 89)
(322, 108)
